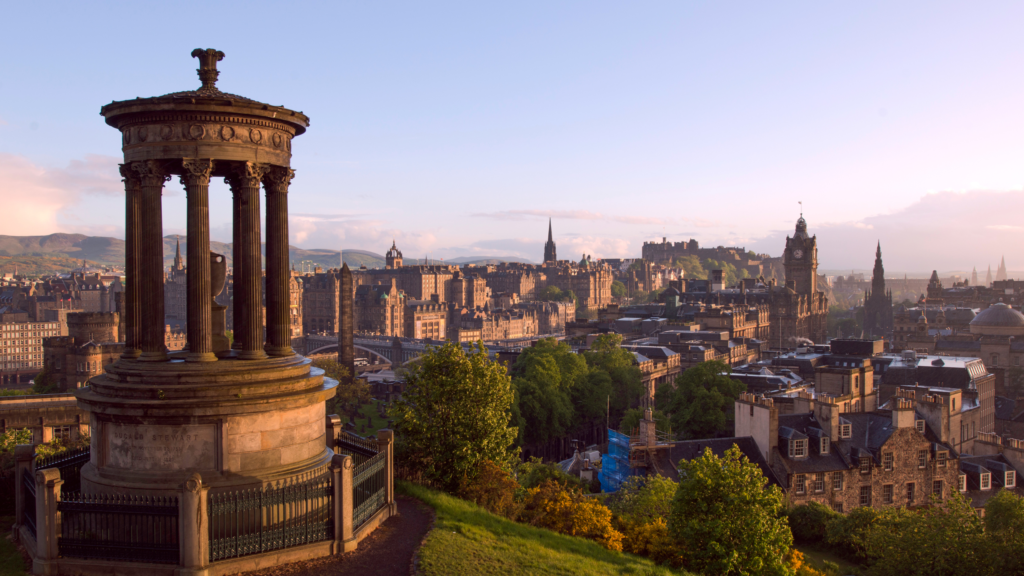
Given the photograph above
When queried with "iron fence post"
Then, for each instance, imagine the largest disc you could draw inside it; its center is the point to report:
(23, 455)
(194, 526)
(343, 502)
(47, 523)
(386, 443)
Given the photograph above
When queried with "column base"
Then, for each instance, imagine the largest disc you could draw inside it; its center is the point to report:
(153, 357)
(250, 354)
(131, 353)
(279, 351)
(201, 357)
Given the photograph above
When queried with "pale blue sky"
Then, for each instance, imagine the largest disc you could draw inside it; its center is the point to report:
(459, 127)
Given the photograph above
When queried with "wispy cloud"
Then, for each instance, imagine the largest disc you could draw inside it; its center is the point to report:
(326, 217)
(1003, 227)
(568, 215)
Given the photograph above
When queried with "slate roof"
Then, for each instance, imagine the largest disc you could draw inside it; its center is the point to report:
(1005, 408)
(690, 449)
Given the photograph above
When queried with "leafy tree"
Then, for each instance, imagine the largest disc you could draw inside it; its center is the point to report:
(10, 392)
(702, 403)
(849, 534)
(692, 267)
(1004, 526)
(728, 518)
(607, 355)
(493, 489)
(643, 498)
(944, 538)
(633, 416)
(809, 522)
(351, 394)
(535, 472)
(46, 382)
(618, 289)
(455, 413)
(548, 378)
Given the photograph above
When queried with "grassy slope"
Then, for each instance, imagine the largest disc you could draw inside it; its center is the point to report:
(817, 555)
(468, 540)
(11, 562)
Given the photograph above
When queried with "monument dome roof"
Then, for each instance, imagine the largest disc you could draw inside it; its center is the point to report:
(999, 314)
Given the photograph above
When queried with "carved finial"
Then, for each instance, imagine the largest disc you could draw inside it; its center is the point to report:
(208, 66)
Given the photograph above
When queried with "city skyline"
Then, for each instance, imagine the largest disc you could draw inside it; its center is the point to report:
(625, 126)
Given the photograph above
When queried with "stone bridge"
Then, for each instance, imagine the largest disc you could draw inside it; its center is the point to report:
(396, 351)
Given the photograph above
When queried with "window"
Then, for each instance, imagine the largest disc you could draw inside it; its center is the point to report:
(920, 425)
(887, 494)
(986, 481)
(937, 488)
(961, 483)
(819, 482)
(887, 461)
(797, 448)
(838, 507)
(865, 495)
(824, 444)
(922, 458)
(1010, 479)
(837, 480)
(62, 433)
(800, 484)
(844, 431)
(910, 492)
(865, 465)
(941, 458)
(952, 402)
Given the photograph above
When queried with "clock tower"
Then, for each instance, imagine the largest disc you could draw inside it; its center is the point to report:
(801, 259)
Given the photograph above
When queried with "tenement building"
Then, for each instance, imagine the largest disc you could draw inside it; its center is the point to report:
(419, 282)
(21, 345)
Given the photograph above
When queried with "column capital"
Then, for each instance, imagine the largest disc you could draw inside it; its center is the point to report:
(151, 172)
(277, 179)
(245, 174)
(196, 171)
(130, 177)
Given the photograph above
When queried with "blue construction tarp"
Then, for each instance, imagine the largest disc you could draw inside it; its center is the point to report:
(615, 464)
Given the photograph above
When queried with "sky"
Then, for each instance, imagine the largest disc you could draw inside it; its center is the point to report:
(459, 128)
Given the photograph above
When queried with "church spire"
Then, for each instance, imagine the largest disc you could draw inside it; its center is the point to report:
(177, 253)
(549, 247)
(550, 238)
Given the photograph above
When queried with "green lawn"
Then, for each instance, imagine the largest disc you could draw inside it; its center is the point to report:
(469, 540)
(11, 562)
(370, 417)
(816, 557)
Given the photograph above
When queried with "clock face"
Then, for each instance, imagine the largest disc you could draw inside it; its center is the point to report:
(798, 253)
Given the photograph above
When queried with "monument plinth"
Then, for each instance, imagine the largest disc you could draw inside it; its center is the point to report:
(242, 415)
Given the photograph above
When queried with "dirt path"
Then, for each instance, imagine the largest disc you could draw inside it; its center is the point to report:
(388, 551)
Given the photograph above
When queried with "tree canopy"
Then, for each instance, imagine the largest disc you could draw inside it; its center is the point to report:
(701, 403)
(618, 289)
(455, 413)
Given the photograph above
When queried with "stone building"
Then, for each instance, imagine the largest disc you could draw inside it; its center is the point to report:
(176, 292)
(525, 280)
(756, 265)
(48, 417)
(425, 319)
(493, 325)
(419, 282)
(379, 309)
(878, 312)
(591, 283)
(320, 301)
(21, 345)
(469, 290)
(887, 458)
(93, 341)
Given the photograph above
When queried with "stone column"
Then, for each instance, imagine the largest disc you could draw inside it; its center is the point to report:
(132, 287)
(386, 442)
(279, 339)
(48, 484)
(248, 276)
(341, 467)
(151, 265)
(196, 179)
(193, 526)
(333, 429)
(346, 324)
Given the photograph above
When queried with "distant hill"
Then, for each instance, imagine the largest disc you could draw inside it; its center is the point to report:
(98, 249)
(486, 260)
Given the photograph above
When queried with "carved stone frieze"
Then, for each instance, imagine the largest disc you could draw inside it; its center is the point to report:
(151, 172)
(196, 171)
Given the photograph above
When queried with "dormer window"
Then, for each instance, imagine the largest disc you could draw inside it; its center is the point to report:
(985, 480)
(845, 430)
(1010, 479)
(865, 465)
(797, 448)
(919, 424)
(824, 445)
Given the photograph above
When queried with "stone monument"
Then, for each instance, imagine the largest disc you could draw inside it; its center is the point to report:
(239, 416)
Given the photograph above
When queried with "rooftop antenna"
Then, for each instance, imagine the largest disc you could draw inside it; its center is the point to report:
(801, 203)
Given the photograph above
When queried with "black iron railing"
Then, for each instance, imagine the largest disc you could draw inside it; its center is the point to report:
(361, 449)
(114, 527)
(369, 488)
(273, 517)
(28, 500)
(70, 465)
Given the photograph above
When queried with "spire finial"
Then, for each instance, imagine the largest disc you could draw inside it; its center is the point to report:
(208, 73)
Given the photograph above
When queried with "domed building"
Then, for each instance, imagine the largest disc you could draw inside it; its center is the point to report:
(999, 319)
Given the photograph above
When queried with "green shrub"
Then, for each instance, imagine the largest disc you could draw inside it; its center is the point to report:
(848, 534)
(493, 489)
(809, 522)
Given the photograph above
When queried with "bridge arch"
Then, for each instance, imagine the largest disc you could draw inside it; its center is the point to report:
(334, 348)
